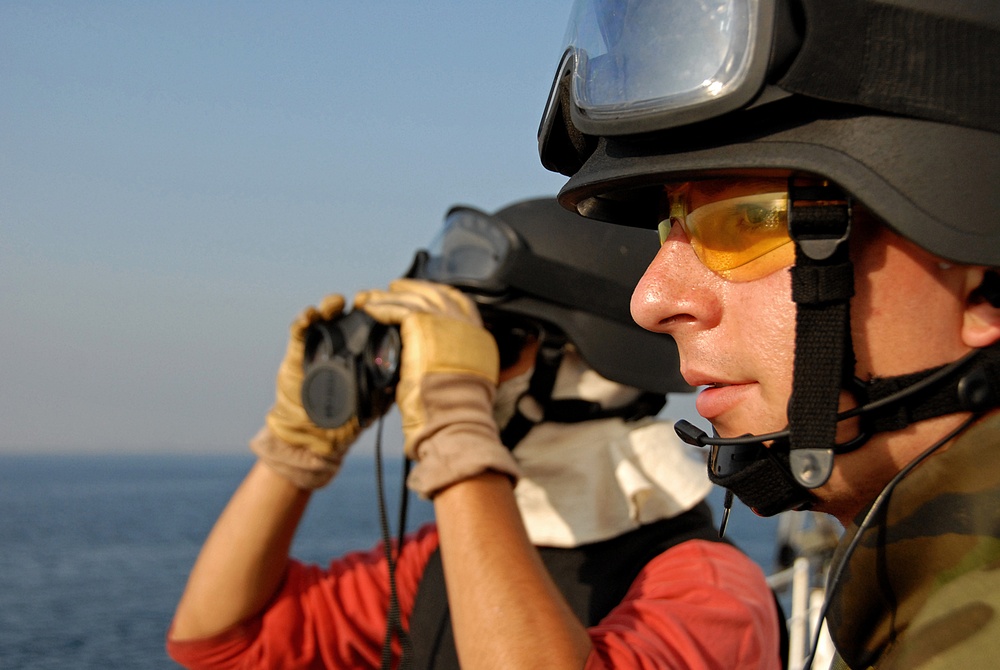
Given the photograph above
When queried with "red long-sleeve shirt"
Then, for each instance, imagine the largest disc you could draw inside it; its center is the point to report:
(699, 605)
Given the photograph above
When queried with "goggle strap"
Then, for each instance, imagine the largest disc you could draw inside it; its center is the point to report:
(563, 284)
(903, 61)
(822, 286)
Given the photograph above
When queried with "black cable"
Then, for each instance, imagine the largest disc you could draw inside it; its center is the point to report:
(394, 624)
(834, 580)
(404, 499)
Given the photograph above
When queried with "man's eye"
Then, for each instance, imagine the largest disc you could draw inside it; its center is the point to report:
(758, 216)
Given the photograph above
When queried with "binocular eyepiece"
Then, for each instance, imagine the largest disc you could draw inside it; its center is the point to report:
(350, 368)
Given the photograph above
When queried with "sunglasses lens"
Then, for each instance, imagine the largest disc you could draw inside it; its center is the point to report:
(733, 232)
(737, 237)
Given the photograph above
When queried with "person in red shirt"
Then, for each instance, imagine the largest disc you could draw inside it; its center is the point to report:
(570, 525)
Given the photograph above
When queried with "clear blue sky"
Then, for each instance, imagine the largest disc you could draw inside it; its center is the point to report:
(179, 179)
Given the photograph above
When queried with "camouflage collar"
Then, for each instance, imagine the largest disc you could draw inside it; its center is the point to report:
(941, 524)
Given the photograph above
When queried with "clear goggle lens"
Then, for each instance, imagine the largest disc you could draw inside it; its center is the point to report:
(633, 55)
(471, 249)
(741, 239)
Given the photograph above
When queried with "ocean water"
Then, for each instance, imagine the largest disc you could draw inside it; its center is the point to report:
(95, 550)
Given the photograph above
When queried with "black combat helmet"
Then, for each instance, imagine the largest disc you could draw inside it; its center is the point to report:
(535, 260)
(897, 101)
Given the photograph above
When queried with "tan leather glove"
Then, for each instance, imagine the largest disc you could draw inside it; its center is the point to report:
(290, 443)
(448, 377)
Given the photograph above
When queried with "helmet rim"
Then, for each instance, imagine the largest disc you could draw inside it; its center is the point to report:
(928, 181)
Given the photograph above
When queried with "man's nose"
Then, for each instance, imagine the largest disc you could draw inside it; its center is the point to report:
(676, 291)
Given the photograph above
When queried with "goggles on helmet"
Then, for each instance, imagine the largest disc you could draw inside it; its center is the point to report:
(638, 65)
(484, 256)
(739, 238)
(473, 250)
(631, 67)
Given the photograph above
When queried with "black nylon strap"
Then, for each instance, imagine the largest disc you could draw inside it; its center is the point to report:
(575, 410)
(563, 284)
(973, 387)
(764, 484)
(762, 474)
(900, 60)
(822, 286)
(543, 380)
(565, 410)
(815, 286)
(515, 430)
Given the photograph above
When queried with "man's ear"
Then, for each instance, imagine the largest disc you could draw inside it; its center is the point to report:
(981, 326)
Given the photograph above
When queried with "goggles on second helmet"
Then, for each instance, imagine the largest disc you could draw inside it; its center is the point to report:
(473, 250)
(739, 238)
(486, 258)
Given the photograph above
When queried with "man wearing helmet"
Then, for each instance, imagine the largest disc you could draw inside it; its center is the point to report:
(604, 553)
(823, 175)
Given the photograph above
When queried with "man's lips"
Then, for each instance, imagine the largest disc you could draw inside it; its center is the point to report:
(718, 398)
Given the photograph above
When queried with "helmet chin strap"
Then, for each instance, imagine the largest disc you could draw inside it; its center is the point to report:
(819, 218)
(536, 405)
(761, 475)
(969, 384)
(531, 406)
(819, 223)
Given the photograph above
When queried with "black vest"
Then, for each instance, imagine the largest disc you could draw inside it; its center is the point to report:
(593, 578)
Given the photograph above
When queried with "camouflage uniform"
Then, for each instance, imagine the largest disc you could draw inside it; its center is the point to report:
(922, 589)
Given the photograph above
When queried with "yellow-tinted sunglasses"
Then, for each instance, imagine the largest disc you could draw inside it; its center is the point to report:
(740, 239)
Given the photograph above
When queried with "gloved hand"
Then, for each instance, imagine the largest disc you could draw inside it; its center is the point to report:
(448, 377)
(290, 443)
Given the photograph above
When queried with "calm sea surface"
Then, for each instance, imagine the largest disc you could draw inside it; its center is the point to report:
(94, 550)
